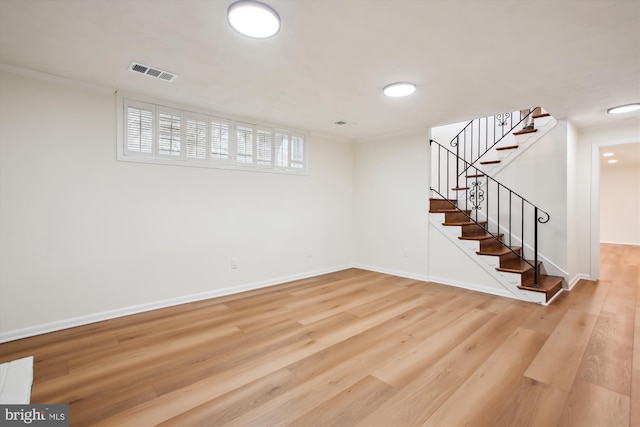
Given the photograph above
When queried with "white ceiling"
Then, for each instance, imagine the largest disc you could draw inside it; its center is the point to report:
(332, 58)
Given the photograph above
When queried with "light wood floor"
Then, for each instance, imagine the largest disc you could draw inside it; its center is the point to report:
(357, 348)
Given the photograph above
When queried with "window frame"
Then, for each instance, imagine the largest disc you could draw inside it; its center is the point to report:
(210, 160)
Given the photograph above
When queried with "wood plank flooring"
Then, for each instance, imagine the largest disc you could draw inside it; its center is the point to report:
(357, 348)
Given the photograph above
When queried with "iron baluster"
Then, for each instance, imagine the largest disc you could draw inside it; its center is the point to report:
(535, 249)
(510, 216)
(498, 214)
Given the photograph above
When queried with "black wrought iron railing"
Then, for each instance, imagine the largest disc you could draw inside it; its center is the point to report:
(479, 136)
(501, 212)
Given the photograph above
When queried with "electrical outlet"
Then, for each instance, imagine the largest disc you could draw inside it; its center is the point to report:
(309, 253)
(406, 252)
(234, 263)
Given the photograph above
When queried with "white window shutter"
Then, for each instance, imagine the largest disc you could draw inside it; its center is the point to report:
(264, 148)
(297, 152)
(169, 134)
(139, 128)
(220, 132)
(244, 143)
(196, 140)
(282, 149)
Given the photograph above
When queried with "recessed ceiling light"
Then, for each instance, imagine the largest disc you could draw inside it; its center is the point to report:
(607, 154)
(398, 89)
(612, 161)
(624, 108)
(253, 19)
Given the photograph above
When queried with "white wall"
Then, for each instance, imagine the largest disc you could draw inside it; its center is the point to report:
(83, 235)
(573, 272)
(391, 205)
(440, 180)
(444, 134)
(620, 204)
(540, 175)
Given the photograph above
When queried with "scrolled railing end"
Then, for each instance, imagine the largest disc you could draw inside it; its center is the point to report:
(544, 216)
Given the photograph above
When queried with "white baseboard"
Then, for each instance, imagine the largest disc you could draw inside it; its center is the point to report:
(126, 311)
(392, 272)
(438, 280)
(577, 278)
(621, 243)
(474, 287)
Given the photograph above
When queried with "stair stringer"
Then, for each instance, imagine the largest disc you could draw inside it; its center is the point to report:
(543, 125)
(507, 281)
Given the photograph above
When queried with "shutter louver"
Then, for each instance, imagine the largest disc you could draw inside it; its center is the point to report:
(139, 130)
(196, 139)
(244, 144)
(219, 140)
(297, 152)
(265, 146)
(282, 150)
(169, 126)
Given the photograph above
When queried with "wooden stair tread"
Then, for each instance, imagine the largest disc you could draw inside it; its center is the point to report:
(443, 210)
(516, 266)
(549, 285)
(440, 205)
(452, 201)
(446, 211)
(522, 132)
(459, 188)
(478, 175)
(510, 147)
(463, 223)
(502, 250)
(545, 283)
(539, 116)
(490, 162)
(480, 237)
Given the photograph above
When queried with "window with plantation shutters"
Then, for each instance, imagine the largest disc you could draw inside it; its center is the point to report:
(154, 133)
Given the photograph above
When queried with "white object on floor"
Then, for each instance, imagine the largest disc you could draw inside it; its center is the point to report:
(16, 378)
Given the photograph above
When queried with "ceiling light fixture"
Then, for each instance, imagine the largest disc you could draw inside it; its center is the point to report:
(607, 154)
(627, 108)
(253, 19)
(613, 161)
(399, 89)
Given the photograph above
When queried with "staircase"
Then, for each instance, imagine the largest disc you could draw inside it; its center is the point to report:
(494, 225)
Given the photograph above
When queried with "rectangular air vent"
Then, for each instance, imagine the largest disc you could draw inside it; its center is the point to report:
(152, 72)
